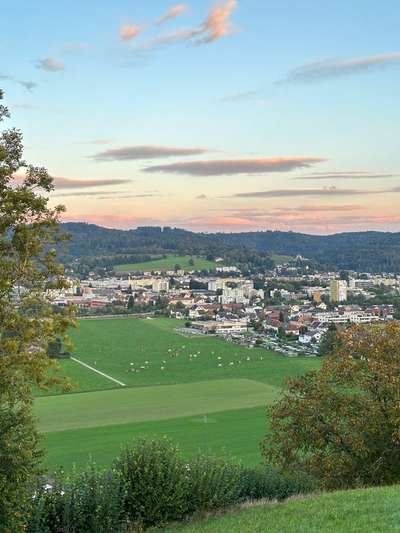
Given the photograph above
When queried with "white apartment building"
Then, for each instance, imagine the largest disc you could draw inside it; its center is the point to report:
(233, 296)
(353, 317)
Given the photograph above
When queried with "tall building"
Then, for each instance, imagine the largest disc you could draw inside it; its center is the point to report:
(338, 290)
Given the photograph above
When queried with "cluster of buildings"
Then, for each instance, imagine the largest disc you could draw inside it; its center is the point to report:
(280, 306)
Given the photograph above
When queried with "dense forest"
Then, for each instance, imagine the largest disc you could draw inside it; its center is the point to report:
(361, 251)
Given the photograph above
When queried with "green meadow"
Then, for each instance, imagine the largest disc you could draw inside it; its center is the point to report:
(168, 263)
(374, 510)
(205, 393)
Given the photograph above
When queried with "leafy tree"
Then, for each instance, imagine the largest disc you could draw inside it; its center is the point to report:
(342, 423)
(329, 341)
(29, 273)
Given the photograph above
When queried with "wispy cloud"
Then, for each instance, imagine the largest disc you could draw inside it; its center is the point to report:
(127, 32)
(28, 85)
(130, 153)
(69, 183)
(173, 12)
(288, 193)
(216, 26)
(50, 64)
(333, 68)
(343, 175)
(237, 166)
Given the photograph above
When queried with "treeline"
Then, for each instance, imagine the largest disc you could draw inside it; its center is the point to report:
(360, 251)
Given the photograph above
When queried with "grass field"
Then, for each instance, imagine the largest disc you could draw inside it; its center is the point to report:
(358, 511)
(105, 408)
(203, 392)
(234, 433)
(280, 259)
(150, 352)
(168, 263)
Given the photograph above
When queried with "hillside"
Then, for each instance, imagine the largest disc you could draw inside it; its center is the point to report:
(374, 510)
(363, 251)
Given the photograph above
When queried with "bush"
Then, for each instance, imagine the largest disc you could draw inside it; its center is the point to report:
(156, 482)
(268, 482)
(213, 483)
(90, 502)
(150, 485)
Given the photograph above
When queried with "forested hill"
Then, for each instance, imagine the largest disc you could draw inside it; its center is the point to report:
(363, 251)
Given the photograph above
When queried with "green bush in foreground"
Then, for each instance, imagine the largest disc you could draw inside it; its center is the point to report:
(156, 482)
(149, 485)
(90, 501)
(213, 483)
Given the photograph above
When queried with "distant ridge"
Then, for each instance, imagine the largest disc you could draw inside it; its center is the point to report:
(369, 251)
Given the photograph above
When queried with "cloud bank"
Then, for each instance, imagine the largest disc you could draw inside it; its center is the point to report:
(68, 183)
(236, 166)
(131, 153)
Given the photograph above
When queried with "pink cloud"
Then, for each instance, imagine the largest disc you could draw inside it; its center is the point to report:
(127, 32)
(218, 23)
(173, 12)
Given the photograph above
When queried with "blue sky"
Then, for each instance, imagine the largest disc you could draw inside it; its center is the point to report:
(230, 115)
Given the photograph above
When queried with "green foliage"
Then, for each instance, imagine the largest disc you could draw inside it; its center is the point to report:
(270, 483)
(28, 271)
(90, 501)
(151, 484)
(19, 461)
(342, 424)
(329, 341)
(156, 482)
(214, 483)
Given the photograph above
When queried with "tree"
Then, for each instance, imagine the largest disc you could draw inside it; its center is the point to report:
(29, 273)
(342, 423)
(131, 302)
(329, 341)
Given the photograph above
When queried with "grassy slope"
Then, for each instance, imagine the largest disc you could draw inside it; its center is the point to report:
(112, 345)
(168, 264)
(368, 510)
(235, 433)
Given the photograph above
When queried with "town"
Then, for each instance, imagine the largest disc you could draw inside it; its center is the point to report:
(286, 309)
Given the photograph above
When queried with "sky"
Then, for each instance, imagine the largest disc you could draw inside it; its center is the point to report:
(230, 115)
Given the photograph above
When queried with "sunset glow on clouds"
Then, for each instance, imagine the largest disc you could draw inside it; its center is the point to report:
(219, 115)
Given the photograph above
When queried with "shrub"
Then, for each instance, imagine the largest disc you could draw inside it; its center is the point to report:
(90, 502)
(156, 482)
(213, 483)
(268, 482)
(150, 485)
